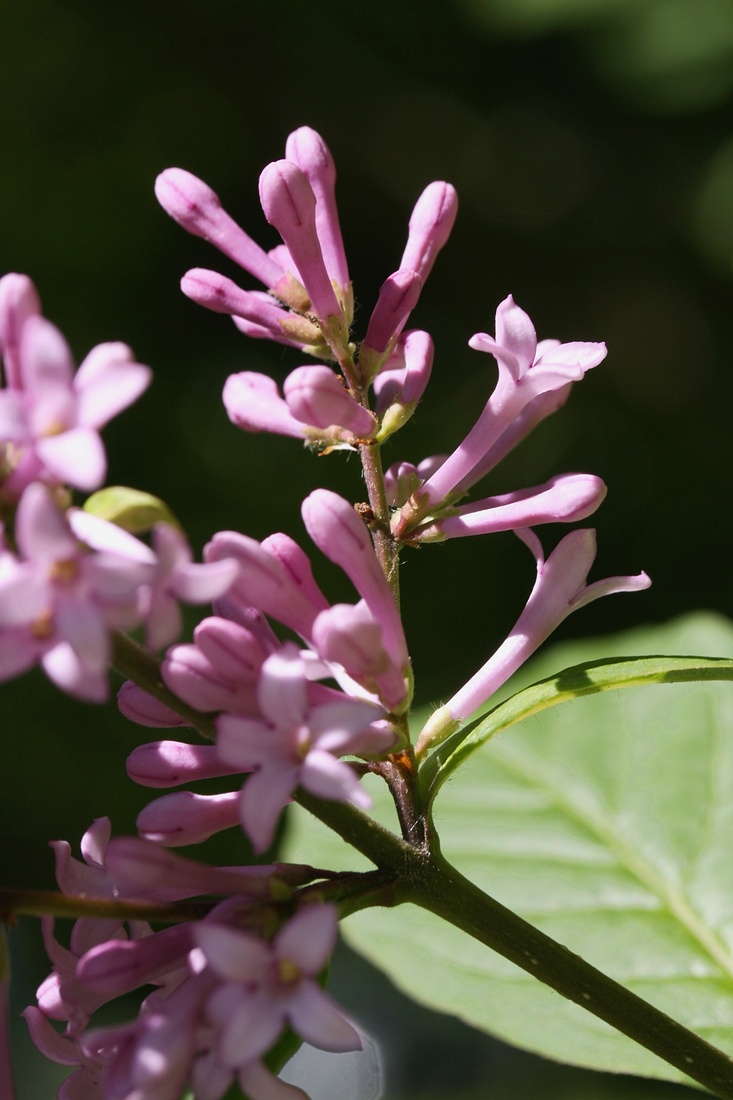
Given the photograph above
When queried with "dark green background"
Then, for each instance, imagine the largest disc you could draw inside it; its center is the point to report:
(591, 142)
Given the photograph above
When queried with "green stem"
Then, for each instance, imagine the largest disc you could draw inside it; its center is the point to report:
(39, 903)
(425, 878)
(137, 664)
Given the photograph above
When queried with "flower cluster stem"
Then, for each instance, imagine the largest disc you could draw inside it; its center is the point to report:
(385, 546)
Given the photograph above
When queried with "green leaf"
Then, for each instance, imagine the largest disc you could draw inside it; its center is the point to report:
(588, 678)
(607, 824)
(131, 509)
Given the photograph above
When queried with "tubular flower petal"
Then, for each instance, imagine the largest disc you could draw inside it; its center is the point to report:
(527, 371)
(18, 301)
(398, 296)
(566, 498)
(342, 536)
(316, 396)
(560, 588)
(307, 149)
(193, 204)
(431, 223)
(294, 743)
(316, 407)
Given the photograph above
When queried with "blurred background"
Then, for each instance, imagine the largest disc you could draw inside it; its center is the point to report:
(591, 143)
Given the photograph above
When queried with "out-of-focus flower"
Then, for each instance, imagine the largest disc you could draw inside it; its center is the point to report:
(262, 986)
(294, 744)
(50, 416)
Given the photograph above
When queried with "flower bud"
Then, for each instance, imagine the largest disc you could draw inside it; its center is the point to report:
(315, 395)
(188, 818)
(289, 204)
(171, 763)
(309, 152)
(431, 223)
(191, 203)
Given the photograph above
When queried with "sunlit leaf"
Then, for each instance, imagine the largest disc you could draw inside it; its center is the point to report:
(588, 678)
(607, 823)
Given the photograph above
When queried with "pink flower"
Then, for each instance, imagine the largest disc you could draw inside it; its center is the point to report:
(528, 373)
(310, 304)
(566, 498)
(262, 986)
(60, 600)
(315, 407)
(342, 536)
(402, 380)
(178, 577)
(50, 416)
(560, 589)
(295, 744)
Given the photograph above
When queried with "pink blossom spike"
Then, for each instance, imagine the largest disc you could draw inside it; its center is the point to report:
(566, 498)
(18, 301)
(171, 763)
(191, 203)
(315, 395)
(342, 536)
(559, 589)
(309, 152)
(289, 204)
(187, 818)
(431, 223)
(252, 402)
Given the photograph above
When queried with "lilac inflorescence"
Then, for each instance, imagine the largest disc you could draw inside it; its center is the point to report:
(301, 693)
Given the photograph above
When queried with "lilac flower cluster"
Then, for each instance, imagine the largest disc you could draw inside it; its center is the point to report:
(223, 990)
(293, 686)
